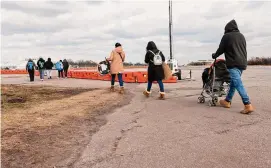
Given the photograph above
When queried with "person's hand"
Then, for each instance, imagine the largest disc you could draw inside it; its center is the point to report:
(213, 55)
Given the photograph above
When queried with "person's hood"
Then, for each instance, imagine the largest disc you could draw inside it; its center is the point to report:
(30, 60)
(64, 60)
(49, 60)
(151, 46)
(41, 59)
(231, 26)
(119, 49)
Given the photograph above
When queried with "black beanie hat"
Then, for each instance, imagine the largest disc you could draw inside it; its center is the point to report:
(117, 45)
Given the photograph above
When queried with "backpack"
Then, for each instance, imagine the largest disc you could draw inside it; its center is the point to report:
(30, 65)
(58, 66)
(157, 59)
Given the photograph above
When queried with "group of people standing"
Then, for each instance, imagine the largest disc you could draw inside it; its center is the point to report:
(46, 67)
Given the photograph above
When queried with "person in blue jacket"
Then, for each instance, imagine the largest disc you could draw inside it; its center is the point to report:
(59, 67)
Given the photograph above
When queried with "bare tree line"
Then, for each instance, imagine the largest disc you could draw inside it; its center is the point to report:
(89, 63)
(252, 61)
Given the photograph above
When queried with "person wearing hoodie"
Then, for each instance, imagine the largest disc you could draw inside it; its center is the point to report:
(30, 67)
(233, 46)
(155, 71)
(117, 58)
(59, 67)
(41, 67)
(49, 66)
(65, 67)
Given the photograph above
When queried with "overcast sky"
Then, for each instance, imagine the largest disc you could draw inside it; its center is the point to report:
(89, 29)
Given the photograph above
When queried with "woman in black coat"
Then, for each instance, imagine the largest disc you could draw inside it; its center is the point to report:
(155, 72)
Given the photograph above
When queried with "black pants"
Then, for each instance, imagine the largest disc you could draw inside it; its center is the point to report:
(66, 72)
(31, 74)
(60, 72)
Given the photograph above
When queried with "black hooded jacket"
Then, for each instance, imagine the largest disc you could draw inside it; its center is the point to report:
(233, 45)
(155, 72)
(65, 64)
(49, 64)
(41, 63)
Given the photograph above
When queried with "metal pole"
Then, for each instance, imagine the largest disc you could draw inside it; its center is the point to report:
(170, 27)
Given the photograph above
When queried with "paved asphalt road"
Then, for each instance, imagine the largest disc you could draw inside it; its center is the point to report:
(178, 132)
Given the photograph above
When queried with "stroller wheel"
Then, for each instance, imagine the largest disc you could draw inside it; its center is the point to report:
(214, 101)
(201, 100)
(210, 103)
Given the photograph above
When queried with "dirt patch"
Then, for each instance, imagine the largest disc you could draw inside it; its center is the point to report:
(20, 96)
(53, 125)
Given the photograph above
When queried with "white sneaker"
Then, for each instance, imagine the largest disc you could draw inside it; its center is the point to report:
(41, 79)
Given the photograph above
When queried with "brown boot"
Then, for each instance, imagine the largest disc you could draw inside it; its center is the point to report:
(121, 90)
(112, 89)
(225, 104)
(162, 96)
(248, 109)
(146, 93)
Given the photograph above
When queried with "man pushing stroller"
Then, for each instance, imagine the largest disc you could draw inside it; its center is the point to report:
(233, 45)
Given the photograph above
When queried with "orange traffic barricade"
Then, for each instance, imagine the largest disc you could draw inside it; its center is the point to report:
(172, 79)
(69, 74)
(107, 77)
(128, 77)
(140, 77)
(94, 75)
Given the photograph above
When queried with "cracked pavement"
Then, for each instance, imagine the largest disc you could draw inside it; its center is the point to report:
(179, 132)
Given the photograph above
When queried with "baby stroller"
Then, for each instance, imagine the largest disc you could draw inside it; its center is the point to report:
(104, 67)
(216, 84)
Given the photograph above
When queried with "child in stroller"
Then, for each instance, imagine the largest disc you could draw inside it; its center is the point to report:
(216, 80)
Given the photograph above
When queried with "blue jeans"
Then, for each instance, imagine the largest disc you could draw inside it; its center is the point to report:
(113, 76)
(160, 83)
(236, 83)
(41, 73)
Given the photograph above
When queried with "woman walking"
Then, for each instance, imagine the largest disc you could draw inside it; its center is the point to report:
(117, 58)
(154, 58)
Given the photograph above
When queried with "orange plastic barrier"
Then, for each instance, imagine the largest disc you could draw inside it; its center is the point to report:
(100, 77)
(69, 74)
(107, 77)
(140, 77)
(128, 77)
(87, 75)
(14, 71)
(94, 75)
(172, 79)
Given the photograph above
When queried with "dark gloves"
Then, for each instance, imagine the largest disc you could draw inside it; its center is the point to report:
(213, 56)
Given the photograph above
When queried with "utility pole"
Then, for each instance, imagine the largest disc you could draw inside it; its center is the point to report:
(170, 29)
